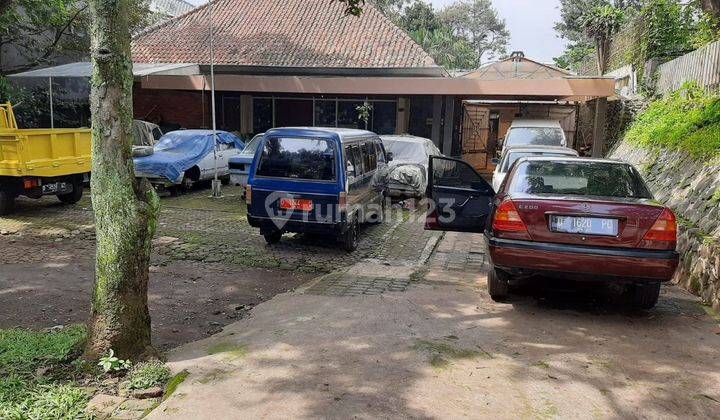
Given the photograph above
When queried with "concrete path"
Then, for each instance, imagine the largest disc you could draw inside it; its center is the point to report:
(427, 342)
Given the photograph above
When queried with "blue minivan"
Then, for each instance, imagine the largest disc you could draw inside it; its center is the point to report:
(316, 180)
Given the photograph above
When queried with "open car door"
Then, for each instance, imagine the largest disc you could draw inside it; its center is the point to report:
(459, 198)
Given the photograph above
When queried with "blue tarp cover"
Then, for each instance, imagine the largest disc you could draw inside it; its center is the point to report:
(178, 151)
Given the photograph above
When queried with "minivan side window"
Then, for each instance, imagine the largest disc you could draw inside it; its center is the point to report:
(357, 159)
(350, 164)
(370, 156)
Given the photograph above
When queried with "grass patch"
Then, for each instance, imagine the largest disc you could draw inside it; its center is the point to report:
(22, 351)
(442, 354)
(235, 351)
(147, 375)
(688, 120)
(174, 383)
(25, 396)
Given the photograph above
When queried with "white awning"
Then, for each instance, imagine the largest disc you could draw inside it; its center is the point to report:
(84, 69)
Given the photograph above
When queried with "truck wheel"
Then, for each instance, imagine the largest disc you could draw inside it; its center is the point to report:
(498, 286)
(74, 196)
(349, 240)
(7, 203)
(645, 296)
(272, 237)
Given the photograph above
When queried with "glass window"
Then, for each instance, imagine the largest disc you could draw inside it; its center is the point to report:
(357, 159)
(252, 147)
(535, 136)
(513, 156)
(453, 173)
(349, 162)
(380, 152)
(410, 151)
(384, 117)
(312, 159)
(262, 115)
(325, 113)
(579, 178)
(368, 151)
(347, 116)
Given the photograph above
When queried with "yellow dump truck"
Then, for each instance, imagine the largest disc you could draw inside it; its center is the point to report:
(37, 162)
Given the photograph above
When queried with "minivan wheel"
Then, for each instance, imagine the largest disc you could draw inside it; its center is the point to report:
(498, 286)
(272, 237)
(645, 296)
(350, 238)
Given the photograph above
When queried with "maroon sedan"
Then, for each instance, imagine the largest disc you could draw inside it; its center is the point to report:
(580, 219)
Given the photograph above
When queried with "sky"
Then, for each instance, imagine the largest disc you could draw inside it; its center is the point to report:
(530, 23)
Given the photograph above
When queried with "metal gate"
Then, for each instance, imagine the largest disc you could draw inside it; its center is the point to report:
(475, 137)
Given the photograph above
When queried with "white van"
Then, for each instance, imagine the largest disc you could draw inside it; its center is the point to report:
(535, 132)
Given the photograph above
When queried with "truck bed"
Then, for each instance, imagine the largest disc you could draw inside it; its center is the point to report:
(44, 152)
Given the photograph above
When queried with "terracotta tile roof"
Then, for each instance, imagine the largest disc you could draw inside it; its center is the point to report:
(282, 33)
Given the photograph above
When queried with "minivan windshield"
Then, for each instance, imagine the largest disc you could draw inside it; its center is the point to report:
(605, 179)
(535, 136)
(298, 158)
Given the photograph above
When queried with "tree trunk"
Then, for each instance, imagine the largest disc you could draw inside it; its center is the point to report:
(125, 209)
(711, 6)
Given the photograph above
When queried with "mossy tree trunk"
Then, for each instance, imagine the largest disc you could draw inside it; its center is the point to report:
(125, 208)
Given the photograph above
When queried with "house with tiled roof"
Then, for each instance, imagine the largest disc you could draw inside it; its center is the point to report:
(293, 38)
(304, 63)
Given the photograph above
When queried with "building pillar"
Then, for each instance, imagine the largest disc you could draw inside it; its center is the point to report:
(403, 116)
(436, 120)
(246, 114)
(448, 125)
(598, 149)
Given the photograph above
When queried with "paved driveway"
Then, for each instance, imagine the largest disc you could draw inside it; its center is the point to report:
(209, 267)
(429, 343)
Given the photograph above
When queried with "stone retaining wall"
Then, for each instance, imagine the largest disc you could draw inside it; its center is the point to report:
(692, 189)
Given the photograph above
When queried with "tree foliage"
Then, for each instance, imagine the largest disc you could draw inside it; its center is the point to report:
(600, 25)
(459, 36)
(446, 48)
(477, 22)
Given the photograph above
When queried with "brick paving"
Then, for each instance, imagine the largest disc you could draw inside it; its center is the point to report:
(460, 252)
(199, 229)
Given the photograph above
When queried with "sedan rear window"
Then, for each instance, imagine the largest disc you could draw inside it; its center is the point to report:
(534, 136)
(513, 156)
(603, 179)
(298, 158)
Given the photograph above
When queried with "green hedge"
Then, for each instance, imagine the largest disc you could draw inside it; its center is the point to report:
(688, 120)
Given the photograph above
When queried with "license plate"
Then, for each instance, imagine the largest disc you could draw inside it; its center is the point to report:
(584, 225)
(51, 188)
(296, 204)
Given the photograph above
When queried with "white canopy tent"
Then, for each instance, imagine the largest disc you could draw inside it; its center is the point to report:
(84, 70)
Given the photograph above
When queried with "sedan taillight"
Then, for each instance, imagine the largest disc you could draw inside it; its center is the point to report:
(507, 219)
(664, 229)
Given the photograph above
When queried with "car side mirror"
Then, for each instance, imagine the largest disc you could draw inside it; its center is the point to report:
(495, 161)
(389, 156)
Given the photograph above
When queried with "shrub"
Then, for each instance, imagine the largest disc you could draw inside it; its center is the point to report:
(146, 375)
(688, 120)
